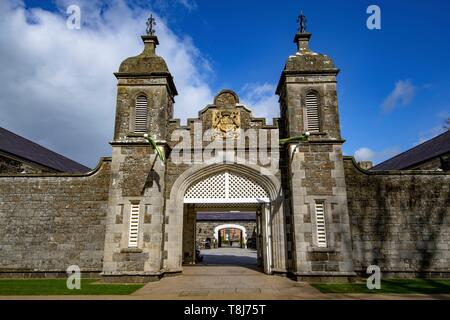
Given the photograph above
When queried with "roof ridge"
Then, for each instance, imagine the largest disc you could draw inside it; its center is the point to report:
(408, 150)
(43, 147)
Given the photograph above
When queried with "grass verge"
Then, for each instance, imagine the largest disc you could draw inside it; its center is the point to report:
(400, 286)
(44, 287)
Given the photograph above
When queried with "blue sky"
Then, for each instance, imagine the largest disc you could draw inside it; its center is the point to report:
(243, 45)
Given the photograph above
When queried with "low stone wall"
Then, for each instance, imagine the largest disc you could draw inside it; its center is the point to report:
(400, 220)
(51, 221)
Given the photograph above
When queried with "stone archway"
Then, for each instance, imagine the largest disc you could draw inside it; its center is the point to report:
(271, 212)
(233, 226)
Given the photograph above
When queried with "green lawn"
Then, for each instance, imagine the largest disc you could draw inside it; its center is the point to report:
(21, 287)
(424, 286)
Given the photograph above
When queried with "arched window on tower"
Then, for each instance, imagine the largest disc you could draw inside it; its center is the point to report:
(312, 112)
(140, 115)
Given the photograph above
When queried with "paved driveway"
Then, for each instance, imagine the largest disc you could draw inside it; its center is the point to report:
(229, 256)
(226, 273)
(226, 282)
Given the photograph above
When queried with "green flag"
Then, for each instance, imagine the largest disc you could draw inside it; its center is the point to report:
(303, 137)
(159, 150)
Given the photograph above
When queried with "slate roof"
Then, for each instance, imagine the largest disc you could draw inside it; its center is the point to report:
(20, 147)
(427, 150)
(226, 216)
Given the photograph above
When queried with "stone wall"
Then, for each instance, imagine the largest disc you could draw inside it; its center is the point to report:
(51, 221)
(400, 220)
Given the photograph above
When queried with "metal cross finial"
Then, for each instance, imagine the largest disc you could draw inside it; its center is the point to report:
(301, 20)
(150, 24)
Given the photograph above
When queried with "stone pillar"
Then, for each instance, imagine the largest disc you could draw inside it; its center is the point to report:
(267, 238)
(259, 238)
(189, 234)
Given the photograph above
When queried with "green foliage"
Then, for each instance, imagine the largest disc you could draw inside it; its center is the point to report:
(41, 287)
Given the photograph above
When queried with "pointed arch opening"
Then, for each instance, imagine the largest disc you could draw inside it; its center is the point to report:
(225, 188)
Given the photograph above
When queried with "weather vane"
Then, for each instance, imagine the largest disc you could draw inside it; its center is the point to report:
(150, 23)
(301, 20)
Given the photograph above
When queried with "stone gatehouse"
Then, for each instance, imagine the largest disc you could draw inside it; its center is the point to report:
(317, 213)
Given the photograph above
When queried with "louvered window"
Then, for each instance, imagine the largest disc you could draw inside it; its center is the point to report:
(312, 112)
(134, 226)
(140, 116)
(320, 224)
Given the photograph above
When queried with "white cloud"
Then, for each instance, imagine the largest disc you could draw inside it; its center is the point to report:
(261, 99)
(428, 134)
(402, 95)
(364, 154)
(367, 154)
(57, 84)
(188, 4)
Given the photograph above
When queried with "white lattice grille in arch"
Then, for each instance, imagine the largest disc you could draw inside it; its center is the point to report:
(240, 187)
(212, 187)
(226, 187)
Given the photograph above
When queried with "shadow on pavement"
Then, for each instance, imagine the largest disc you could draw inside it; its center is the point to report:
(230, 257)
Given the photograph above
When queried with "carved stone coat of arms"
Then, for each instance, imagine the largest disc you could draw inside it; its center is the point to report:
(226, 123)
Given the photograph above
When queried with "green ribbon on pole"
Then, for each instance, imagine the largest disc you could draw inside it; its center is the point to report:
(159, 150)
(303, 137)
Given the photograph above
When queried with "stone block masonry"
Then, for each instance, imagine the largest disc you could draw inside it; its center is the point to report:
(400, 220)
(51, 221)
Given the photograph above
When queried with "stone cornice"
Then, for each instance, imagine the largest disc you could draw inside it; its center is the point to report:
(137, 143)
(327, 141)
(331, 72)
(166, 75)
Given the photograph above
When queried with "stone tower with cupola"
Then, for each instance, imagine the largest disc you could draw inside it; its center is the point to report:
(317, 220)
(135, 219)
